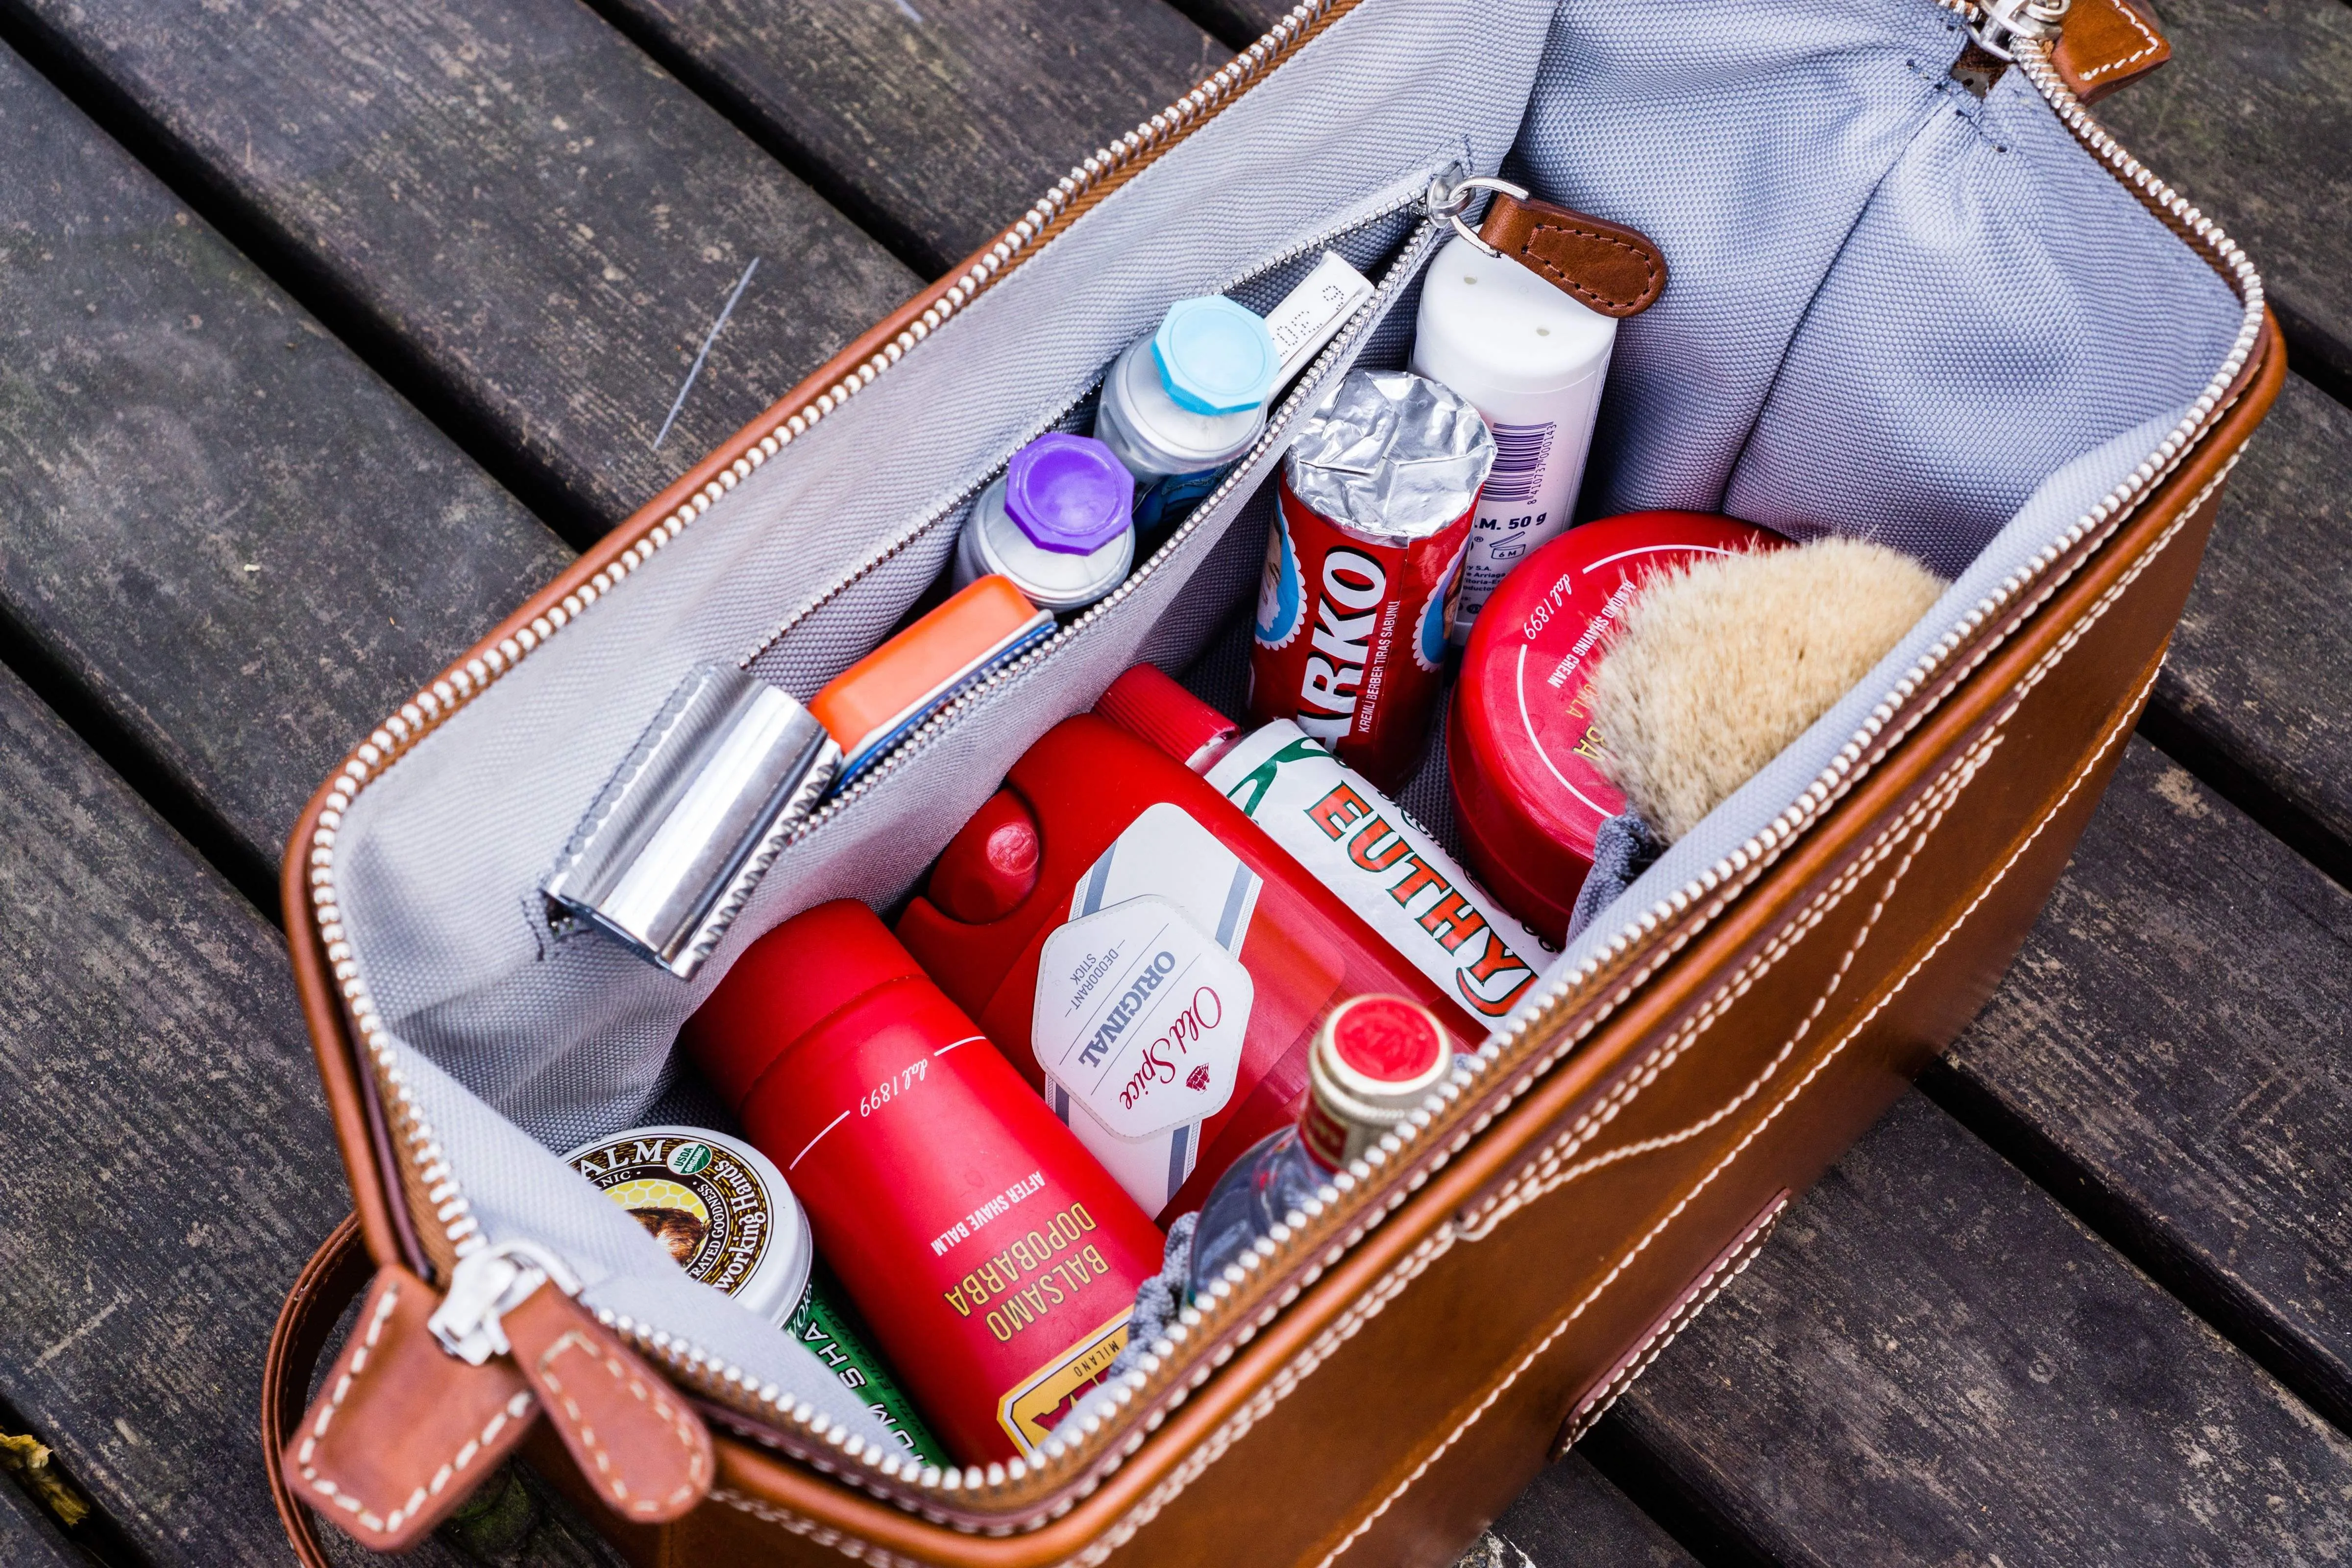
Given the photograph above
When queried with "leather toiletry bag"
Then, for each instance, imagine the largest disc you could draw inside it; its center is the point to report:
(1939, 308)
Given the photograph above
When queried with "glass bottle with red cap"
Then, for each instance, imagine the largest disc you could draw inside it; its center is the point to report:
(1376, 1059)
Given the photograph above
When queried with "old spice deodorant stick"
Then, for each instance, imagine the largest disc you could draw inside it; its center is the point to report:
(1521, 753)
(1152, 961)
(995, 1261)
(1361, 566)
(1354, 838)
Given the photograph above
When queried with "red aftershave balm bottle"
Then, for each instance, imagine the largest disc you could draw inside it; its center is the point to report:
(995, 1260)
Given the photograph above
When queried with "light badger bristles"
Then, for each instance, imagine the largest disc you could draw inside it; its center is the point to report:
(1722, 662)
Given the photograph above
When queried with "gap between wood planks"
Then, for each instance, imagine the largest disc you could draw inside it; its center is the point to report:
(399, 365)
(2227, 1310)
(843, 195)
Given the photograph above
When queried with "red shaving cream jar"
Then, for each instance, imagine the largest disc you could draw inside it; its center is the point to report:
(1521, 748)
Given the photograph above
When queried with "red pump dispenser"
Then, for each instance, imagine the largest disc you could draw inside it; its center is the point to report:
(995, 1260)
(1123, 828)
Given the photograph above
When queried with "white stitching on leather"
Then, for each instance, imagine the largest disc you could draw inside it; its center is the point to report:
(1535, 1177)
(2107, 744)
(1715, 1283)
(2153, 43)
(354, 1513)
(1966, 769)
(854, 1548)
(615, 1484)
(1441, 1239)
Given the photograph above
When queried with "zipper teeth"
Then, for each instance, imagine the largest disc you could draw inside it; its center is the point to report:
(1317, 1223)
(939, 514)
(430, 707)
(952, 713)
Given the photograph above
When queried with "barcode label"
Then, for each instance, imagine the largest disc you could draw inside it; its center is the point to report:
(1520, 454)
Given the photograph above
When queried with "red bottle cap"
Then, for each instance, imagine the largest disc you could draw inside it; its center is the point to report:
(1376, 1059)
(1147, 703)
(1386, 1040)
(786, 984)
(991, 863)
(1528, 795)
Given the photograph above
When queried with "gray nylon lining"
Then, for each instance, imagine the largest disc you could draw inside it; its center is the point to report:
(1895, 311)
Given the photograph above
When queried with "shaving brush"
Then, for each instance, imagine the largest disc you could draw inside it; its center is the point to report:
(1720, 663)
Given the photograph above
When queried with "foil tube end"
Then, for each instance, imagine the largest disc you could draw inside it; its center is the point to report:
(676, 843)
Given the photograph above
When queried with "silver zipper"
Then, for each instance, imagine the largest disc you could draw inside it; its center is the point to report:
(956, 502)
(1320, 1225)
(1406, 266)
(484, 1286)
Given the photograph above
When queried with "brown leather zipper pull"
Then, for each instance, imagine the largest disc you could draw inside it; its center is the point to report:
(1616, 270)
(432, 1391)
(642, 1447)
(402, 1430)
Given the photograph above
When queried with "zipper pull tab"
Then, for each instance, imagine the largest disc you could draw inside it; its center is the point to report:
(484, 1287)
(1450, 201)
(2000, 22)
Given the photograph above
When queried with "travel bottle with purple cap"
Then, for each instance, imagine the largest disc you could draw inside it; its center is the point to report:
(1181, 404)
(1056, 523)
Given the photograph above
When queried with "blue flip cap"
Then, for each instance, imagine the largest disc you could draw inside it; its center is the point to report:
(1214, 356)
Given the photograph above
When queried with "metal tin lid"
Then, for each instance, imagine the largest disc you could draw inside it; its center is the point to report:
(1397, 454)
(1214, 356)
(1069, 494)
(1521, 754)
(719, 1205)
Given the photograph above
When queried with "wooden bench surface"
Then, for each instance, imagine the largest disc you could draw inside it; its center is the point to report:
(329, 324)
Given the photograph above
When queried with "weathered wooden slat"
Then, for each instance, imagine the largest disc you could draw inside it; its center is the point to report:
(1933, 1363)
(171, 1164)
(28, 1537)
(2257, 693)
(2172, 1053)
(507, 204)
(229, 543)
(1238, 23)
(932, 123)
(2253, 120)
(1571, 1516)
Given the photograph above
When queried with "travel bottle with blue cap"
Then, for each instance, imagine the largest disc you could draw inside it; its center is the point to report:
(1056, 523)
(1179, 406)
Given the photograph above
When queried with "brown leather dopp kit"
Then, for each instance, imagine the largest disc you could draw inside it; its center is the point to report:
(1738, 1050)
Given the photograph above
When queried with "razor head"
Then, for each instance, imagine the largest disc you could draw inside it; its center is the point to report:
(671, 850)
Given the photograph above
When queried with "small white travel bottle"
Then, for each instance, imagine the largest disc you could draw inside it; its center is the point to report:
(1532, 361)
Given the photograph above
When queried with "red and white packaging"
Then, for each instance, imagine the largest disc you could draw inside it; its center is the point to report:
(1521, 751)
(1362, 564)
(995, 1260)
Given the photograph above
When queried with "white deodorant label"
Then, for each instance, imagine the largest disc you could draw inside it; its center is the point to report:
(1358, 844)
(1139, 1017)
(1142, 1001)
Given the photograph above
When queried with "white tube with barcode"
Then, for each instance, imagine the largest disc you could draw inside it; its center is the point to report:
(1532, 361)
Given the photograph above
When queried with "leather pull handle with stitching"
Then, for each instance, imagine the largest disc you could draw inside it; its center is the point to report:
(1616, 270)
(401, 1431)
(645, 1452)
(2108, 44)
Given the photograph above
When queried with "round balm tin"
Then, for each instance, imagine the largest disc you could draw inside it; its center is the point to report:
(723, 1210)
(719, 1205)
(1521, 751)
